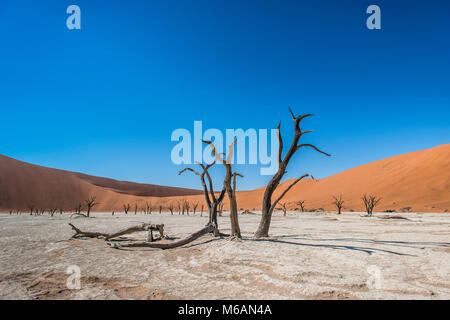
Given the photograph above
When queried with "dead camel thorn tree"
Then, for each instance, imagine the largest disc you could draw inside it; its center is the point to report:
(90, 203)
(170, 207)
(187, 206)
(338, 202)
(179, 206)
(194, 207)
(126, 208)
(301, 204)
(370, 201)
(212, 202)
(283, 207)
(229, 184)
(268, 205)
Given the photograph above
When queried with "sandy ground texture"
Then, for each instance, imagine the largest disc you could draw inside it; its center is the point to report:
(309, 256)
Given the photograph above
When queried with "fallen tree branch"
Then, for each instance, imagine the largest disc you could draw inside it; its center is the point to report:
(164, 246)
(143, 227)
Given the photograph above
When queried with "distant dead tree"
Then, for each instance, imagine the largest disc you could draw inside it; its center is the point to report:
(194, 207)
(370, 201)
(301, 204)
(212, 201)
(201, 210)
(61, 212)
(338, 202)
(90, 203)
(135, 208)
(187, 205)
(42, 212)
(126, 207)
(78, 209)
(179, 204)
(283, 207)
(268, 205)
(220, 209)
(406, 209)
(170, 207)
(31, 208)
(160, 209)
(149, 207)
(229, 184)
(183, 206)
(52, 211)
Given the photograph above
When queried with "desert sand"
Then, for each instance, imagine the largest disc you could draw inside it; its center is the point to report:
(309, 256)
(420, 180)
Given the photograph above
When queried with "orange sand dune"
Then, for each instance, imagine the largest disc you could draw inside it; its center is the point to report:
(420, 180)
(23, 184)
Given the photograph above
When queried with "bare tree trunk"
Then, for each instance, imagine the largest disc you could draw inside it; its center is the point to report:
(231, 190)
(267, 205)
(212, 201)
(163, 246)
(143, 227)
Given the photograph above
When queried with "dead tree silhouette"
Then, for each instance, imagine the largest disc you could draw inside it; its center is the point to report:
(126, 208)
(229, 184)
(268, 205)
(370, 201)
(212, 202)
(338, 202)
(90, 203)
(301, 204)
(283, 207)
(170, 207)
(194, 207)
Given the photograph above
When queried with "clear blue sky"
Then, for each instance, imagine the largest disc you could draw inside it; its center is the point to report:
(105, 99)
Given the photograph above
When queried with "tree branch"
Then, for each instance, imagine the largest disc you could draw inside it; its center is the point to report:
(274, 204)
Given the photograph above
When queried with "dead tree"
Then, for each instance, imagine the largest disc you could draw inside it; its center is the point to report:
(187, 205)
(52, 211)
(268, 205)
(179, 206)
(282, 207)
(149, 207)
(126, 207)
(170, 207)
(201, 211)
(107, 236)
(212, 201)
(163, 246)
(301, 204)
(78, 209)
(160, 209)
(229, 184)
(338, 202)
(135, 208)
(31, 208)
(194, 207)
(220, 209)
(370, 201)
(90, 203)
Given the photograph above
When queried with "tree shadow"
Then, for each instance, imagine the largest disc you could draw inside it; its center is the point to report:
(369, 251)
(408, 244)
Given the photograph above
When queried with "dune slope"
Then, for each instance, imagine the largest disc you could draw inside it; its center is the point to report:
(420, 180)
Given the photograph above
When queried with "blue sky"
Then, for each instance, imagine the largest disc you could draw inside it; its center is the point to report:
(105, 99)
